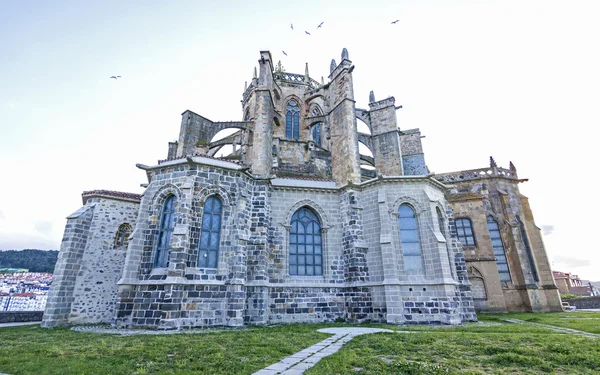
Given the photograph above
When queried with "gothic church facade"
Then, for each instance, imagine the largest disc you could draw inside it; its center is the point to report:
(297, 226)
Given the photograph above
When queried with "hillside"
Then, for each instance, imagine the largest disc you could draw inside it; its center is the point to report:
(34, 260)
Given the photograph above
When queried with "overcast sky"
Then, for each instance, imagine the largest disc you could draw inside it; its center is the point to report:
(517, 80)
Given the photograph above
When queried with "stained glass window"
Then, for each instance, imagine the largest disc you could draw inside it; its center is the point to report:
(316, 130)
(122, 236)
(316, 134)
(167, 223)
(292, 120)
(306, 244)
(409, 238)
(208, 251)
(464, 230)
(498, 248)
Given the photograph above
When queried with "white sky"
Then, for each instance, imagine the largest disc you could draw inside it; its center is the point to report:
(518, 80)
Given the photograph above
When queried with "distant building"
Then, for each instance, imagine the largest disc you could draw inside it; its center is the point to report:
(24, 291)
(569, 283)
(297, 226)
(23, 302)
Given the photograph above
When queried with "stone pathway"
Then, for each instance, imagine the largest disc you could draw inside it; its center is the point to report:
(555, 328)
(299, 362)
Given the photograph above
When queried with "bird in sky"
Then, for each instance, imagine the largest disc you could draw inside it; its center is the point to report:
(321, 24)
(292, 26)
(307, 33)
(284, 52)
(115, 77)
(393, 22)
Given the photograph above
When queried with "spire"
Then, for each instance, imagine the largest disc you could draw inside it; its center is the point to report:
(512, 167)
(245, 86)
(493, 163)
(279, 67)
(322, 81)
(371, 97)
(255, 75)
(345, 55)
(332, 66)
(306, 70)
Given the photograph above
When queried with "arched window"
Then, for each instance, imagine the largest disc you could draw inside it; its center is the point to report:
(528, 249)
(123, 234)
(316, 134)
(498, 247)
(409, 238)
(292, 120)
(210, 237)
(316, 129)
(464, 231)
(478, 290)
(306, 244)
(167, 223)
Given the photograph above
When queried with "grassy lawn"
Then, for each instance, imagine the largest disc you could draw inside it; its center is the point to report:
(34, 350)
(583, 321)
(447, 352)
(488, 347)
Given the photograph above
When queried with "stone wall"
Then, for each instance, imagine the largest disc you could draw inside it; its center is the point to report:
(20, 316)
(364, 278)
(182, 293)
(478, 194)
(72, 248)
(584, 302)
(91, 260)
(95, 292)
(413, 158)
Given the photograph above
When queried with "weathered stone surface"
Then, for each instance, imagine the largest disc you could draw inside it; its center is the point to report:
(280, 165)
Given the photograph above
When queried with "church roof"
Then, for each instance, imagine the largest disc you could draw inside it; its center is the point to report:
(110, 193)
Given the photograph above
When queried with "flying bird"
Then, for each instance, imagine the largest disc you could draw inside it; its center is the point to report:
(393, 22)
(284, 52)
(115, 77)
(292, 26)
(307, 33)
(321, 24)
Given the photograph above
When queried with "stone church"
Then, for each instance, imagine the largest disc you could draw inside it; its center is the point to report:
(297, 226)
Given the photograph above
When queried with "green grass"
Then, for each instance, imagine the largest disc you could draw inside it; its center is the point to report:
(34, 350)
(426, 353)
(488, 347)
(583, 321)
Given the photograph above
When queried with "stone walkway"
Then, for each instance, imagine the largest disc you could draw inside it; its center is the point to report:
(555, 328)
(299, 362)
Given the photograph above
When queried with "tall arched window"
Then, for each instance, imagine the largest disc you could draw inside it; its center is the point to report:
(167, 223)
(498, 248)
(409, 238)
(306, 244)
(464, 231)
(292, 120)
(527, 249)
(210, 237)
(316, 129)
(123, 234)
(316, 134)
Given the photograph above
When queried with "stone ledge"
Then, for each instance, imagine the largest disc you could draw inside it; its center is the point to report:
(21, 316)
